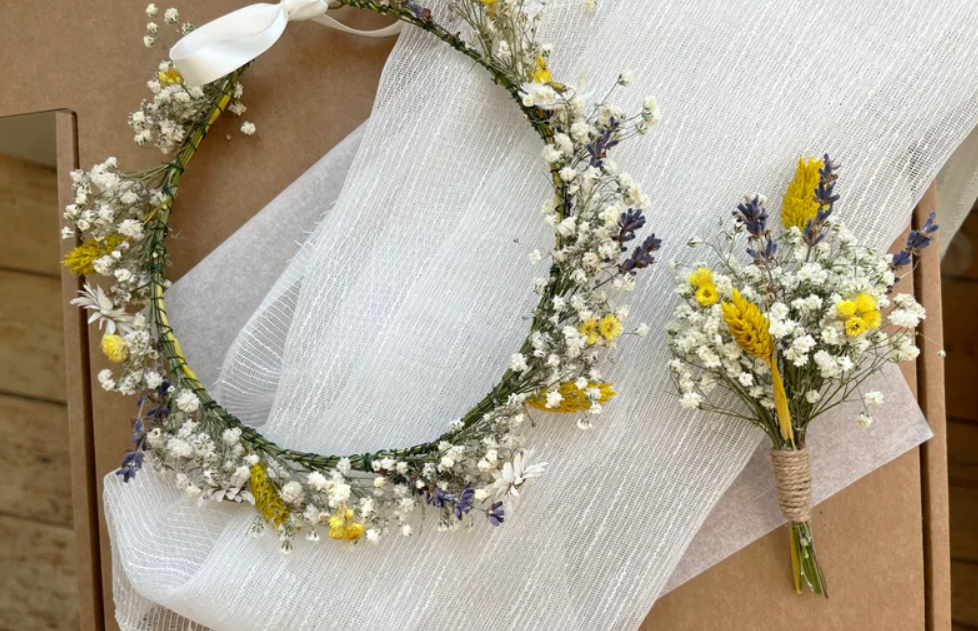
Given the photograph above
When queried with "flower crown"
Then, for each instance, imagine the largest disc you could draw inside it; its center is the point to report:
(480, 465)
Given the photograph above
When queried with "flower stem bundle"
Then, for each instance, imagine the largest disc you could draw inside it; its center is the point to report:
(791, 331)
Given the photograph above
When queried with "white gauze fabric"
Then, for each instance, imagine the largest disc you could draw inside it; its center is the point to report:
(403, 307)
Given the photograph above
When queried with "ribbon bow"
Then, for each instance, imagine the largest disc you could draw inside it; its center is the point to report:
(229, 42)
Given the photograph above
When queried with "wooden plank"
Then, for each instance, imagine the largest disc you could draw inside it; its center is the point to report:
(29, 209)
(963, 477)
(34, 457)
(31, 336)
(933, 453)
(964, 581)
(38, 591)
(84, 479)
(961, 344)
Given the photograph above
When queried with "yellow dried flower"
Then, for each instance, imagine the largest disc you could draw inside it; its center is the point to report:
(873, 319)
(855, 326)
(341, 526)
(845, 309)
(575, 399)
(268, 502)
(610, 327)
(81, 260)
(702, 276)
(541, 71)
(799, 205)
(590, 329)
(750, 329)
(865, 303)
(749, 326)
(707, 295)
(169, 77)
(353, 531)
(115, 348)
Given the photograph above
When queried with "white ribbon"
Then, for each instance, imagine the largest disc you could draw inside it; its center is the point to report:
(229, 42)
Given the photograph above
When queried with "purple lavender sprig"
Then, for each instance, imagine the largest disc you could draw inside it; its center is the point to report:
(132, 461)
(641, 256)
(826, 197)
(496, 514)
(917, 240)
(752, 215)
(606, 140)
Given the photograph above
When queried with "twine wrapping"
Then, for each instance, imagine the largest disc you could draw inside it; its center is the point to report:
(793, 475)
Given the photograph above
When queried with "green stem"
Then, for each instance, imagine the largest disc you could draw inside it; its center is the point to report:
(806, 568)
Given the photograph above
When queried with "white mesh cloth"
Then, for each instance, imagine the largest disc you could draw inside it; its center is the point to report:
(403, 307)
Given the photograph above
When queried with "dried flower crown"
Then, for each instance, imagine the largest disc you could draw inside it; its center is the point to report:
(479, 466)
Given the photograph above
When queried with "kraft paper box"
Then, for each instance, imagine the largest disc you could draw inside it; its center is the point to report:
(884, 540)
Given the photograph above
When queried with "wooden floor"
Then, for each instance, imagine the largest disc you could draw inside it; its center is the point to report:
(37, 543)
(37, 556)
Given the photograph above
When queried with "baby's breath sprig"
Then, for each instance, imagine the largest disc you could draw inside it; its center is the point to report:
(479, 466)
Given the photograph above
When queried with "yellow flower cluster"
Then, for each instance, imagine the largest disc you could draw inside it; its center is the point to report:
(608, 327)
(268, 503)
(859, 314)
(575, 399)
(343, 528)
(751, 331)
(169, 77)
(541, 71)
(115, 348)
(81, 260)
(799, 205)
(706, 289)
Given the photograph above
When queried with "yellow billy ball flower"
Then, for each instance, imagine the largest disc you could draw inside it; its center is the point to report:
(353, 531)
(707, 295)
(799, 205)
(574, 399)
(268, 502)
(702, 276)
(337, 533)
(115, 348)
(845, 308)
(336, 521)
(873, 319)
(865, 303)
(855, 326)
(541, 71)
(590, 329)
(610, 327)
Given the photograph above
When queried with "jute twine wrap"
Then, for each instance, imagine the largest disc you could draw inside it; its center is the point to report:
(793, 475)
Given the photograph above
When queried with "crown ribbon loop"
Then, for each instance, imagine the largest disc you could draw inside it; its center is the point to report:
(229, 42)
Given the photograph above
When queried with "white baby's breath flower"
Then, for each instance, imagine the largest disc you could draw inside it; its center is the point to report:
(517, 362)
(865, 419)
(554, 399)
(248, 128)
(188, 402)
(151, 10)
(691, 400)
(171, 16)
(813, 396)
(873, 398)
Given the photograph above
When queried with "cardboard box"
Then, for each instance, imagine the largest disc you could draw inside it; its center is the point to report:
(883, 541)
